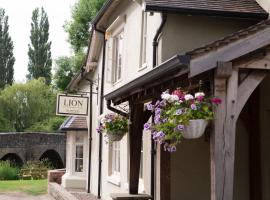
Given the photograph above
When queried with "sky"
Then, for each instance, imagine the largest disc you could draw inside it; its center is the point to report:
(20, 13)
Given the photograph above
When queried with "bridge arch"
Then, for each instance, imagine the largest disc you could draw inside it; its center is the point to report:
(13, 158)
(54, 158)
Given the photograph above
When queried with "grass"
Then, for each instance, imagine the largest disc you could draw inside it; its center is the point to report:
(31, 187)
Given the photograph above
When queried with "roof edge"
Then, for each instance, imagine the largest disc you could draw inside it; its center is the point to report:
(246, 15)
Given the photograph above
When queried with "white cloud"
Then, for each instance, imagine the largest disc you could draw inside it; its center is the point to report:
(20, 13)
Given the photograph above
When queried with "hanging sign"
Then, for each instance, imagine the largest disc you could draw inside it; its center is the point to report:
(71, 105)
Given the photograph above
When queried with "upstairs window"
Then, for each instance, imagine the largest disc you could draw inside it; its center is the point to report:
(118, 56)
(115, 50)
(144, 40)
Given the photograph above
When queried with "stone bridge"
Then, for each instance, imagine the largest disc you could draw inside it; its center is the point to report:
(22, 147)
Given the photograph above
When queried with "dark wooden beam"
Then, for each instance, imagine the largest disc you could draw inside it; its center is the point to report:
(135, 142)
(165, 174)
(255, 147)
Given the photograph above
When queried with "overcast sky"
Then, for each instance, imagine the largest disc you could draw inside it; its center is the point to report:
(20, 13)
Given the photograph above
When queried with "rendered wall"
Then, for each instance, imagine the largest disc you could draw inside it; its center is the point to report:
(265, 4)
(184, 33)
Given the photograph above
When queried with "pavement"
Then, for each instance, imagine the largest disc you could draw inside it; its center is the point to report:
(22, 196)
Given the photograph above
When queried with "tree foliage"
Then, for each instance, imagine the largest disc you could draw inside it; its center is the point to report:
(39, 51)
(83, 13)
(6, 52)
(27, 104)
(66, 68)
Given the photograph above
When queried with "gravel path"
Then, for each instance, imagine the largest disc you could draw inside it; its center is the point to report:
(21, 196)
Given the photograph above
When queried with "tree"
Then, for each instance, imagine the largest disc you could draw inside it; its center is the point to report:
(64, 72)
(26, 104)
(78, 28)
(7, 59)
(39, 51)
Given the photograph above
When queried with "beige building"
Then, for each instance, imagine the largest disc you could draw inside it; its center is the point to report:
(139, 49)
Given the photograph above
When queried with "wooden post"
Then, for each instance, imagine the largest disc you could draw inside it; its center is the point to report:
(135, 142)
(255, 147)
(223, 138)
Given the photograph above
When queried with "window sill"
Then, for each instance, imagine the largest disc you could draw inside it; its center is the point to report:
(117, 82)
(114, 179)
(143, 67)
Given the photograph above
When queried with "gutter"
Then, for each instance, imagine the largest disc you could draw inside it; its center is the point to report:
(205, 12)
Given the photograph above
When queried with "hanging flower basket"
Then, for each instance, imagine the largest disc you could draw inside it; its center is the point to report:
(195, 129)
(115, 137)
(114, 126)
(180, 115)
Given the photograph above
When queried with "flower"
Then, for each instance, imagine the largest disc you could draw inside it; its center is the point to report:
(199, 94)
(180, 127)
(162, 103)
(178, 93)
(157, 119)
(178, 112)
(172, 149)
(157, 111)
(193, 106)
(146, 126)
(188, 97)
(165, 96)
(216, 100)
(150, 106)
(173, 98)
(200, 98)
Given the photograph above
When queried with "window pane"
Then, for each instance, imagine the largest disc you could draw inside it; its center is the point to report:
(78, 165)
(116, 157)
(79, 151)
(79, 158)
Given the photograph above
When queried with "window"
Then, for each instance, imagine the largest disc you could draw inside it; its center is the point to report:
(143, 39)
(79, 154)
(116, 158)
(118, 56)
(115, 49)
(114, 164)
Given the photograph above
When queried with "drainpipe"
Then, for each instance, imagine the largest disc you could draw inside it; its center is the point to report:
(101, 109)
(153, 147)
(156, 38)
(90, 127)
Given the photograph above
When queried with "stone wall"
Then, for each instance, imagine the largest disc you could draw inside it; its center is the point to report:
(31, 146)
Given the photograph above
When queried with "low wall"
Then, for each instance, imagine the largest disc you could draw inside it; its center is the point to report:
(59, 193)
(55, 176)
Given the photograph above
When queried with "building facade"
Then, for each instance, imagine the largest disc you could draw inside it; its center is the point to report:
(139, 49)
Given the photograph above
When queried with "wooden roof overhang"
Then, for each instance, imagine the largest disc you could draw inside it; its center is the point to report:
(153, 82)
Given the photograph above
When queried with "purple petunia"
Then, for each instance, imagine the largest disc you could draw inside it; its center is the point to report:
(165, 120)
(180, 127)
(157, 111)
(146, 126)
(193, 106)
(178, 112)
(150, 106)
(163, 103)
(172, 149)
(157, 119)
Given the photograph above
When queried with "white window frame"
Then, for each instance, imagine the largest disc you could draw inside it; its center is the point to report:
(79, 144)
(143, 59)
(118, 50)
(112, 33)
(115, 163)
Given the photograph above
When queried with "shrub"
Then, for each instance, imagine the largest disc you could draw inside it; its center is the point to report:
(50, 125)
(35, 170)
(7, 171)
